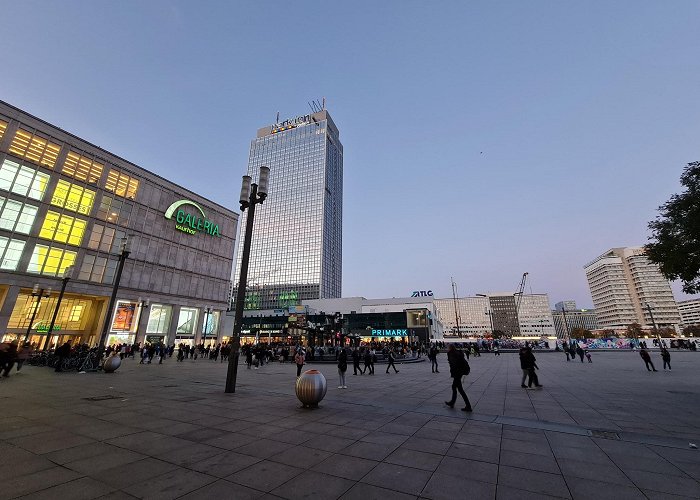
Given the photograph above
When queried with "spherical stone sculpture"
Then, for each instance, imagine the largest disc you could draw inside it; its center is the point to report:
(112, 363)
(311, 388)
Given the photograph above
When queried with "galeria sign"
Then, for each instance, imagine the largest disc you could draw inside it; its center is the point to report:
(190, 221)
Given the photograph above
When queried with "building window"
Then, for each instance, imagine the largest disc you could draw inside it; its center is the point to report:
(23, 180)
(50, 261)
(105, 239)
(82, 168)
(63, 228)
(16, 216)
(115, 211)
(98, 269)
(3, 127)
(121, 184)
(35, 149)
(10, 253)
(159, 319)
(76, 312)
(187, 321)
(73, 197)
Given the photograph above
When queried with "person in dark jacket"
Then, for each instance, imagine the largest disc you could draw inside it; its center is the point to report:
(647, 359)
(666, 357)
(10, 358)
(458, 368)
(62, 353)
(432, 355)
(356, 361)
(391, 358)
(368, 362)
(528, 364)
(342, 367)
(580, 352)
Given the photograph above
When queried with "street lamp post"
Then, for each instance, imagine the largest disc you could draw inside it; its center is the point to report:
(39, 293)
(113, 298)
(67, 274)
(649, 306)
(207, 312)
(142, 304)
(251, 194)
(486, 311)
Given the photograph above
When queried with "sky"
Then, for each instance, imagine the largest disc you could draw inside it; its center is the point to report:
(481, 140)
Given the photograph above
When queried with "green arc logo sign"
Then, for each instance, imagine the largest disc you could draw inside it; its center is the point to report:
(191, 221)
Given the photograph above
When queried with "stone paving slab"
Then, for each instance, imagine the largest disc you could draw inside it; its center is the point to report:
(607, 429)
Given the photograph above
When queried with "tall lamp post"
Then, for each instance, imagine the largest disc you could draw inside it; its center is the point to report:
(142, 304)
(67, 275)
(39, 293)
(251, 194)
(207, 312)
(123, 255)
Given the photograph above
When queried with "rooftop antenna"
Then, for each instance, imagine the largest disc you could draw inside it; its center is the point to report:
(324, 103)
(278, 117)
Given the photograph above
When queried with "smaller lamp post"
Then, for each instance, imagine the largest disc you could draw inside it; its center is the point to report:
(39, 293)
(142, 304)
(649, 306)
(67, 275)
(123, 255)
(207, 312)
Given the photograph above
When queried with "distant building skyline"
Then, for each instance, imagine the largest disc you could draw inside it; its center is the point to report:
(690, 312)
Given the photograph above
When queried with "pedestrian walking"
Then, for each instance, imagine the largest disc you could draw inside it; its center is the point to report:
(666, 357)
(299, 359)
(356, 361)
(23, 354)
(588, 356)
(528, 365)
(368, 363)
(10, 358)
(580, 352)
(391, 358)
(342, 368)
(647, 359)
(459, 367)
(496, 350)
(432, 355)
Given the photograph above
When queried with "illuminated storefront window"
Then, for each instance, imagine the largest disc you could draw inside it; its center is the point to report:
(115, 211)
(187, 321)
(10, 253)
(16, 216)
(3, 127)
(97, 269)
(105, 239)
(63, 228)
(82, 168)
(211, 325)
(22, 180)
(72, 314)
(121, 184)
(159, 319)
(34, 148)
(73, 197)
(50, 261)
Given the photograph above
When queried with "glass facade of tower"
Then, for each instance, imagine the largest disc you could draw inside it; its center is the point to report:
(296, 252)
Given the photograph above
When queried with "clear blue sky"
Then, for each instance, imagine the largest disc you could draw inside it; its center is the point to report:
(482, 139)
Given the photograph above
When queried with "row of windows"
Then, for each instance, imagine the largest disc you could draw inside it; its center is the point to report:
(22, 180)
(63, 228)
(16, 216)
(42, 151)
(73, 197)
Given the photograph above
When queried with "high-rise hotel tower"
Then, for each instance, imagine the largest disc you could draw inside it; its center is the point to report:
(297, 247)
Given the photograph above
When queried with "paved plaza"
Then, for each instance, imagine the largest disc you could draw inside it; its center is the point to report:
(607, 429)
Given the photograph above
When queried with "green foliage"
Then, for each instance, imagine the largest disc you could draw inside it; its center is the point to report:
(634, 330)
(675, 241)
(692, 330)
(580, 333)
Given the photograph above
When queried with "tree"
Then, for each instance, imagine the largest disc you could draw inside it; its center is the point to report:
(580, 333)
(634, 330)
(692, 330)
(675, 239)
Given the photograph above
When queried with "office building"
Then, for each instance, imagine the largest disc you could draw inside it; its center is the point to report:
(296, 251)
(68, 205)
(565, 305)
(568, 321)
(502, 313)
(690, 312)
(622, 282)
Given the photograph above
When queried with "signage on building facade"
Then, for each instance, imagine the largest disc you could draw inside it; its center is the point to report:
(422, 293)
(401, 332)
(189, 221)
(291, 123)
(44, 328)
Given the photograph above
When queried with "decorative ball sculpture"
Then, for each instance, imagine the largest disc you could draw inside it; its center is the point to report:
(311, 388)
(112, 363)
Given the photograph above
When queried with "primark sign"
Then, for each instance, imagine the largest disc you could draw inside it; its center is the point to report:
(399, 332)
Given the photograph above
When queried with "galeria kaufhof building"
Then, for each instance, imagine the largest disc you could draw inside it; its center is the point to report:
(67, 208)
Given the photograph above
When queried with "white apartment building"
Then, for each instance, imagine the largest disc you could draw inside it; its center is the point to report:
(622, 282)
(690, 312)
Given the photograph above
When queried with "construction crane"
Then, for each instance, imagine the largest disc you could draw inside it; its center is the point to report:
(520, 292)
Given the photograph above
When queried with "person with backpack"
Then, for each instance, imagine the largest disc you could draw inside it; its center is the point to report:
(459, 367)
